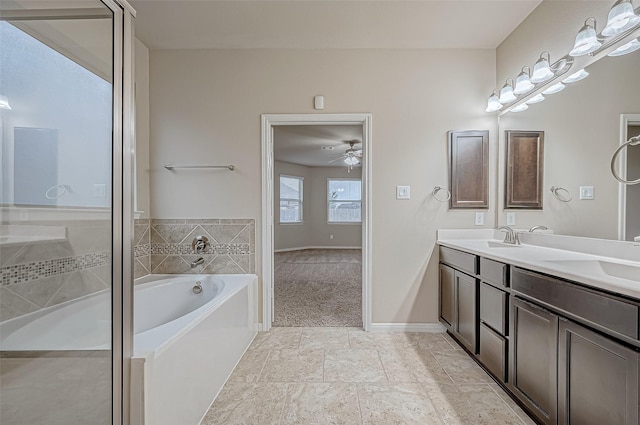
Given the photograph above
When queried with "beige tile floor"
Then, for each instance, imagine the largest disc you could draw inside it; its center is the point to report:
(347, 376)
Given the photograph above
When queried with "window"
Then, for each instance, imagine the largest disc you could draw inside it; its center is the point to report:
(291, 199)
(344, 201)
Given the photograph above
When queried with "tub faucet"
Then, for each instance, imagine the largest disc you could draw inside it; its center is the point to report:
(534, 228)
(197, 262)
(511, 237)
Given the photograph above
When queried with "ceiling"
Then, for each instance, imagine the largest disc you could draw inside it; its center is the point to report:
(320, 24)
(302, 144)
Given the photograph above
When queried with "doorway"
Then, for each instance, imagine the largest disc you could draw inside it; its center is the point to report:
(306, 255)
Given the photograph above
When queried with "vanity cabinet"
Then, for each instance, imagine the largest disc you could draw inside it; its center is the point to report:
(458, 301)
(597, 378)
(532, 360)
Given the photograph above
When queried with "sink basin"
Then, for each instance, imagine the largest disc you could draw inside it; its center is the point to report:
(622, 271)
(493, 244)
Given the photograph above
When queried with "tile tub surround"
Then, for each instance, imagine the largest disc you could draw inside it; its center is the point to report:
(231, 250)
(348, 376)
(141, 247)
(36, 275)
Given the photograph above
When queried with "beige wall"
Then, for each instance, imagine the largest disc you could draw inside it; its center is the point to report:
(581, 123)
(633, 191)
(314, 231)
(206, 107)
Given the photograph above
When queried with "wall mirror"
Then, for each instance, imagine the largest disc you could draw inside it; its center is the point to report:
(524, 169)
(469, 169)
(582, 128)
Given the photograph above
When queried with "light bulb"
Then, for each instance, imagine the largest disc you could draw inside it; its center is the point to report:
(621, 18)
(493, 104)
(351, 160)
(586, 40)
(523, 82)
(4, 102)
(506, 93)
(631, 46)
(541, 70)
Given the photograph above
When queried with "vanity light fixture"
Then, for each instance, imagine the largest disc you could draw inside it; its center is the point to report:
(631, 46)
(542, 70)
(535, 99)
(576, 76)
(493, 104)
(506, 93)
(621, 18)
(523, 81)
(586, 40)
(520, 108)
(554, 88)
(4, 102)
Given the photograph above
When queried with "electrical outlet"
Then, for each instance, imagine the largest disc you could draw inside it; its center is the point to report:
(511, 219)
(330, 236)
(586, 192)
(479, 219)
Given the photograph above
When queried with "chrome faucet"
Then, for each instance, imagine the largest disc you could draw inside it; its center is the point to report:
(534, 228)
(197, 262)
(199, 244)
(511, 237)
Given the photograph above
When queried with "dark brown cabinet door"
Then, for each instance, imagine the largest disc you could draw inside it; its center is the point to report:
(447, 297)
(597, 379)
(466, 323)
(533, 358)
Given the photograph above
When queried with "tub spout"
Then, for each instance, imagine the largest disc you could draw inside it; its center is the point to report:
(198, 262)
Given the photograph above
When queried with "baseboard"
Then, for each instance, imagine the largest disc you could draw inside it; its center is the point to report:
(316, 247)
(407, 327)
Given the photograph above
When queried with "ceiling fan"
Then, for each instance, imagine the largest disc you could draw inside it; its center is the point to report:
(351, 156)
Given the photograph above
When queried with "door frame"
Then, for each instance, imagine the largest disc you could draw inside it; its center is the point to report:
(268, 122)
(625, 121)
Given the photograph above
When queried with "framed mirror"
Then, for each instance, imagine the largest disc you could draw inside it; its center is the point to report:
(524, 169)
(469, 169)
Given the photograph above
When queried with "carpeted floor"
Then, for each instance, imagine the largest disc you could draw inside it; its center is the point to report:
(318, 287)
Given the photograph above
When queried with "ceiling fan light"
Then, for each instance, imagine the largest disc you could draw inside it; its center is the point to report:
(351, 160)
(4, 102)
(554, 88)
(535, 99)
(523, 82)
(520, 108)
(621, 18)
(493, 104)
(541, 70)
(586, 40)
(576, 76)
(631, 46)
(506, 93)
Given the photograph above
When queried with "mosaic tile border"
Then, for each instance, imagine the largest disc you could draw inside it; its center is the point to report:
(186, 249)
(26, 272)
(141, 250)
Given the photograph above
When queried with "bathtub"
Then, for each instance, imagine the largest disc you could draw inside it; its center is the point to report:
(185, 344)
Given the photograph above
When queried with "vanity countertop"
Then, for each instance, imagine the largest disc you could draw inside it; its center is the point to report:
(613, 266)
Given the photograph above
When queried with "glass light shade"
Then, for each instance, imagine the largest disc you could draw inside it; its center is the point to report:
(586, 41)
(523, 83)
(506, 94)
(520, 108)
(631, 46)
(576, 76)
(621, 18)
(535, 99)
(493, 104)
(351, 160)
(541, 71)
(554, 88)
(4, 102)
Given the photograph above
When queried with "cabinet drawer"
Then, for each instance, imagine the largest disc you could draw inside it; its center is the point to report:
(458, 259)
(596, 308)
(494, 272)
(493, 352)
(493, 307)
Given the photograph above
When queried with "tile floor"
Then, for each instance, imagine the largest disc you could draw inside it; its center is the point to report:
(348, 376)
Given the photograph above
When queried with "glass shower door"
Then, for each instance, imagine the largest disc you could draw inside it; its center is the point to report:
(57, 213)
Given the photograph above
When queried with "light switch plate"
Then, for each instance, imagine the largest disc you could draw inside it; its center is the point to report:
(403, 192)
(586, 192)
(479, 219)
(511, 218)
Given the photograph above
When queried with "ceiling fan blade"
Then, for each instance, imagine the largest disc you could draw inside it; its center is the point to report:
(341, 157)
